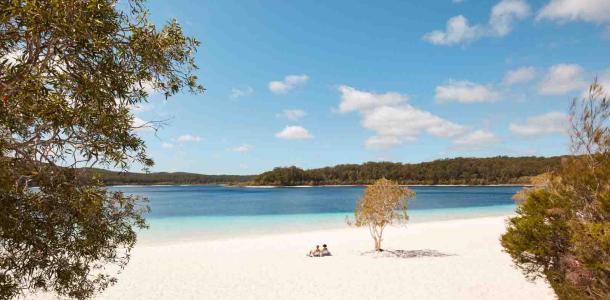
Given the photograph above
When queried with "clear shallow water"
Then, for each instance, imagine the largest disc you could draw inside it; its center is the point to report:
(186, 212)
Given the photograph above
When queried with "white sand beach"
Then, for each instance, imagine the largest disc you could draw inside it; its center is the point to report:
(275, 267)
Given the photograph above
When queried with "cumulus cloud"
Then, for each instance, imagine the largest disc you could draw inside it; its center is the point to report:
(392, 120)
(505, 13)
(355, 100)
(520, 75)
(186, 138)
(545, 124)
(167, 146)
(465, 92)
(404, 124)
(294, 133)
(596, 11)
(459, 31)
(475, 140)
(562, 78)
(243, 148)
(238, 93)
(293, 114)
(289, 83)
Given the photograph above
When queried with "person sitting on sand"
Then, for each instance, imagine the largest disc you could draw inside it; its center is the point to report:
(325, 251)
(315, 252)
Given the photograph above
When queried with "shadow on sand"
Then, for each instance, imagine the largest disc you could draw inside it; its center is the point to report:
(406, 253)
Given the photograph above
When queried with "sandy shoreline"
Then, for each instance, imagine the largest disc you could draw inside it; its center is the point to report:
(275, 267)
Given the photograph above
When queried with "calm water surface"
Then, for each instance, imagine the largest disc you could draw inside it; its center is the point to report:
(181, 212)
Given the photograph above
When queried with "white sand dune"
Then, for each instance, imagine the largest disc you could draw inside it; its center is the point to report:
(275, 267)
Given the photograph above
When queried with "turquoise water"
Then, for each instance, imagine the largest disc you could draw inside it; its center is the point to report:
(209, 212)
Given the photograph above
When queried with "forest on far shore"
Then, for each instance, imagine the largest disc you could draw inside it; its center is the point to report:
(470, 171)
(170, 178)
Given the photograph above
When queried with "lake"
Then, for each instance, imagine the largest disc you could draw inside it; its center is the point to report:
(214, 211)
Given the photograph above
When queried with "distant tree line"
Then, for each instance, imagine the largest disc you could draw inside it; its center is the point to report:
(474, 171)
(124, 178)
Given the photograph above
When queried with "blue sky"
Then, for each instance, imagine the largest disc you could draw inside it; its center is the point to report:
(318, 83)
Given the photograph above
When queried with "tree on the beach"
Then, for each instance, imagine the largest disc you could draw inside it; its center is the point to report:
(562, 228)
(383, 203)
(70, 73)
(536, 182)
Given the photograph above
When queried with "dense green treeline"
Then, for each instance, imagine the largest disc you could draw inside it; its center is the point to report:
(475, 171)
(122, 178)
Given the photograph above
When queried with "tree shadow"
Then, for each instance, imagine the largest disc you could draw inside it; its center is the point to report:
(406, 253)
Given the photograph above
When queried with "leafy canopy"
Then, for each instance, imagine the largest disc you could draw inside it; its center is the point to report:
(70, 72)
(383, 203)
(562, 227)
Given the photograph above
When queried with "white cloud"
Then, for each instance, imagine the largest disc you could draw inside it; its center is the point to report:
(459, 31)
(238, 93)
(520, 75)
(393, 121)
(141, 125)
(289, 83)
(562, 78)
(505, 13)
(294, 133)
(293, 114)
(545, 124)
(355, 100)
(597, 11)
(404, 124)
(242, 148)
(188, 138)
(475, 140)
(465, 92)
(167, 146)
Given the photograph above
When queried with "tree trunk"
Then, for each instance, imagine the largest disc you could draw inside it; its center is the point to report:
(376, 233)
(378, 242)
(377, 239)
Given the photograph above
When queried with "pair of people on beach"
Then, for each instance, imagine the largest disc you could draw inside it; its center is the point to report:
(319, 252)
